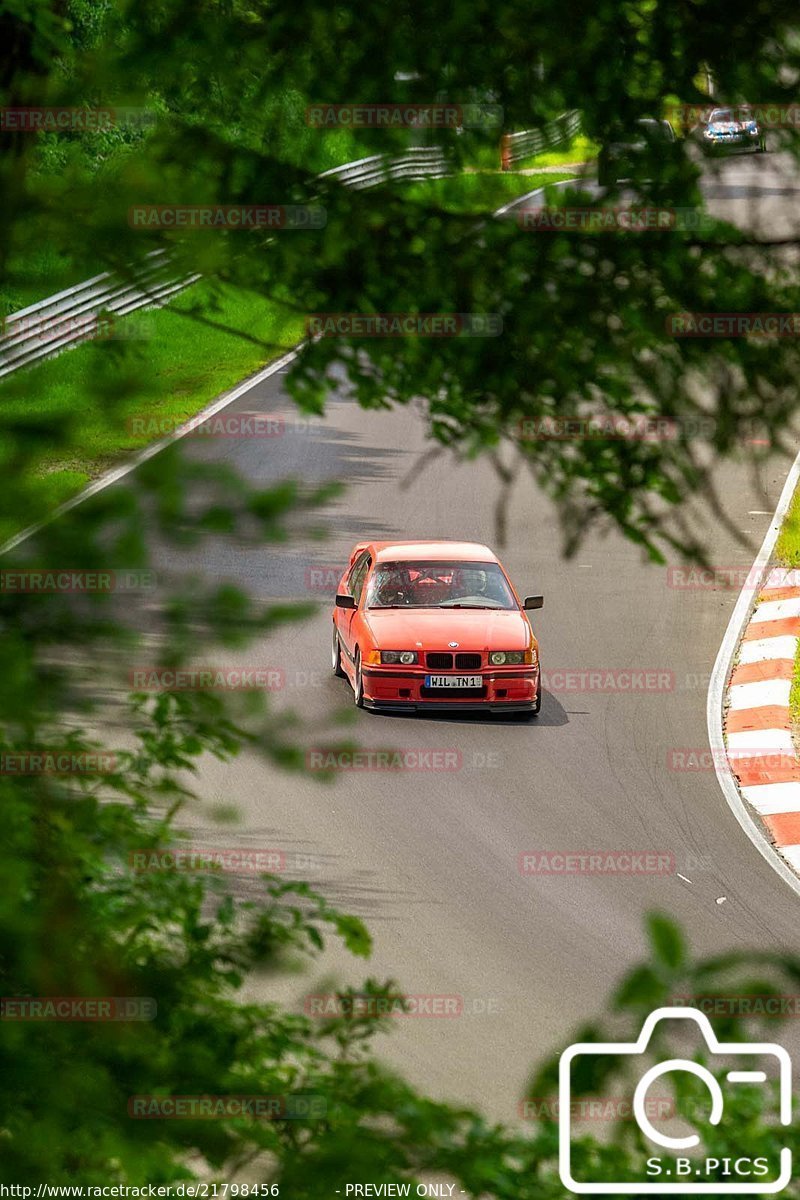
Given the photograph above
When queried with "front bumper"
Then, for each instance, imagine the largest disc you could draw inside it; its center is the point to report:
(733, 141)
(501, 691)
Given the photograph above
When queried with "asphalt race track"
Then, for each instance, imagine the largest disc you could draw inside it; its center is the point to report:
(430, 858)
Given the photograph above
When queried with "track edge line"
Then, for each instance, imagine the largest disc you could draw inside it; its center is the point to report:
(719, 675)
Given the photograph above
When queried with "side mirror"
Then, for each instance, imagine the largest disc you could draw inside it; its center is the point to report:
(530, 602)
(343, 601)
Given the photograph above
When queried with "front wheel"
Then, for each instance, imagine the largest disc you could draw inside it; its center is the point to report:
(358, 682)
(336, 655)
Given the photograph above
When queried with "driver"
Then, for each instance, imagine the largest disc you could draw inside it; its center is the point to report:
(391, 587)
(472, 582)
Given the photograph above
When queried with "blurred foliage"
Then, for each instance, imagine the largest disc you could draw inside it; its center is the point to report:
(224, 90)
(221, 90)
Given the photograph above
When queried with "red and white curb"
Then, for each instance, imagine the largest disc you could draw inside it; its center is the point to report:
(757, 723)
(749, 723)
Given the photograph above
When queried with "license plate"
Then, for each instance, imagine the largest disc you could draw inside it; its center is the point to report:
(453, 681)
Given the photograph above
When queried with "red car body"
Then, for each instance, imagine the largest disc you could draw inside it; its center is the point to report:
(434, 625)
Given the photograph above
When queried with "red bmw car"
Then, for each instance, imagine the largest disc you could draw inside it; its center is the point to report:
(431, 625)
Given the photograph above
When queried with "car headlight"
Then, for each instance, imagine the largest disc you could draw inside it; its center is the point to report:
(509, 658)
(406, 657)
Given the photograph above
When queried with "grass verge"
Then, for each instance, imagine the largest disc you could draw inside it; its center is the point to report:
(580, 150)
(161, 366)
(476, 192)
(787, 547)
(41, 271)
(787, 553)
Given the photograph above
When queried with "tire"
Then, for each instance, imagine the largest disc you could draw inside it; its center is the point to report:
(336, 655)
(358, 682)
(533, 713)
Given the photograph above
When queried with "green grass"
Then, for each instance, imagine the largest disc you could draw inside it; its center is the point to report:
(38, 272)
(787, 552)
(580, 150)
(161, 365)
(787, 547)
(478, 192)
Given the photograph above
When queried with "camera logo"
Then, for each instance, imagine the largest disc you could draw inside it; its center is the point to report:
(672, 1171)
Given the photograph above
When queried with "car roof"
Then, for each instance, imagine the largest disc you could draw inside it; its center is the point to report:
(441, 551)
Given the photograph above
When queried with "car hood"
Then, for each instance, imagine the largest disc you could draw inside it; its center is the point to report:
(726, 127)
(435, 628)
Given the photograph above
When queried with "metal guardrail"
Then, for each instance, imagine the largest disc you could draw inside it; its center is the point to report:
(516, 146)
(77, 314)
(421, 162)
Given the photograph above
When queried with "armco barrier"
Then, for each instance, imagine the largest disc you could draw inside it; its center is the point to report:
(421, 162)
(75, 314)
(516, 146)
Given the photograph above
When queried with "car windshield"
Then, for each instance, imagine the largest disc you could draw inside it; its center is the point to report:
(439, 585)
(721, 114)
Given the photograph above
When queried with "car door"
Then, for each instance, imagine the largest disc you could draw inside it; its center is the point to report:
(355, 587)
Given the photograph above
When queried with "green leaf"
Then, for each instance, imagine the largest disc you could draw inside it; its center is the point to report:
(666, 941)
